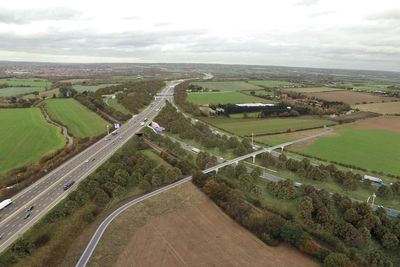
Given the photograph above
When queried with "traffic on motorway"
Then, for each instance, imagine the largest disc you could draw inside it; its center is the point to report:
(35, 201)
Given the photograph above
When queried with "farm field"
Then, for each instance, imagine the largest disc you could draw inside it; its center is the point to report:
(367, 86)
(271, 83)
(224, 98)
(312, 89)
(13, 82)
(28, 140)
(275, 139)
(46, 94)
(350, 97)
(246, 127)
(90, 88)
(80, 121)
(117, 106)
(383, 108)
(228, 86)
(14, 91)
(361, 144)
(182, 227)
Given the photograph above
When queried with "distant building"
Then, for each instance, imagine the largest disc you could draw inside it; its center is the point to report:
(255, 105)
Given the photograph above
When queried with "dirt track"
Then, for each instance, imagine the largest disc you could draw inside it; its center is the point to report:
(193, 232)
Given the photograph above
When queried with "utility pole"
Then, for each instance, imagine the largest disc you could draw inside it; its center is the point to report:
(252, 139)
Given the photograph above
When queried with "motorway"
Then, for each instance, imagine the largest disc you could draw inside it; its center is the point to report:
(48, 191)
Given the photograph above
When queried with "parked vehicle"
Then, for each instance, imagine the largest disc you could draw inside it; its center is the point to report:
(5, 203)
(68, 185)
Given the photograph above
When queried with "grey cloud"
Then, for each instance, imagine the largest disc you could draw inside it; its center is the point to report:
(390, 14)
(306, 2)
(21, 16)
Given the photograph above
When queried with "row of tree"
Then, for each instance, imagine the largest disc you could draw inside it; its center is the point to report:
(176, 123)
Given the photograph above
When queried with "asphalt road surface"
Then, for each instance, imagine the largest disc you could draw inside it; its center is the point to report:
(48, 191)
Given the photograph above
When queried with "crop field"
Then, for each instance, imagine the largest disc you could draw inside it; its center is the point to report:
(12, 82)
(246, 127)
(372, 144)
(272, 83)
(224, 98)
(182, 227)
(350, 97)
(275, 139)
(80, 121)
(117, 106)
(90, 88)
(313, 89)
(228, 86)
(46, 94)
(383, 108)
(367, 86)
(25, 137)
(14, 91)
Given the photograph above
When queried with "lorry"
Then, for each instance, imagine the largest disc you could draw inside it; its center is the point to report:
(195, 150)
(5, 203)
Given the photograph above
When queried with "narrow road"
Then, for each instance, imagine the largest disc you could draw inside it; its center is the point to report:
(64, 129)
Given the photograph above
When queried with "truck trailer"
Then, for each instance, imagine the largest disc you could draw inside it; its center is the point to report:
(5, 203)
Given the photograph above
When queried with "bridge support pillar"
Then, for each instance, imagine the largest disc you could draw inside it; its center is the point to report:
(282, 148)
(216, 171)
(254, 159)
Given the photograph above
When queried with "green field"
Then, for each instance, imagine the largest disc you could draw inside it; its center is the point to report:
(372, 149)
(367, 86)
(227, 86)
(224, 98)
(25, 137)
(13, 91)
(80, 121)
(272, 83)
(12, 82)
(313, 89)
(265, 126)
(91, 88)
(117, 106)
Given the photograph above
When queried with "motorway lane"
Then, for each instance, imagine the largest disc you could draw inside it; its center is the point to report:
(48, 191)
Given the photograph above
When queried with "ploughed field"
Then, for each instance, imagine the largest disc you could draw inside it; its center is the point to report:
(245, 127)
(80, 121)
(350, 97)
(25, 137)
(383, 108)
(372, 144)
(202, 98)
(182, 227)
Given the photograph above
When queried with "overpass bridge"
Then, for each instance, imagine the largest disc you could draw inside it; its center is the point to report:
(261, 151)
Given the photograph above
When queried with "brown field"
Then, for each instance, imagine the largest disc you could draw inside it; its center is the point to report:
(312, 89)
(383, 108)
(350, 97)
(182, 227)
(390, 123)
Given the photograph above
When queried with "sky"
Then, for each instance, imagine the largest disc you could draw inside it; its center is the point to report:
(349, 34)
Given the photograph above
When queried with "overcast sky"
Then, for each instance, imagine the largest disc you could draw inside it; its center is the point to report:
(361, 34)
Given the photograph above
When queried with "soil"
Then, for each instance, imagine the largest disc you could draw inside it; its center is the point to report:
(188, 230)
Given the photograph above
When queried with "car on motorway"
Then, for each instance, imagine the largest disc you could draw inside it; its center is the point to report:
(30, 208)
(68, 185)
(142, 123)
(27, 216)
(87, 161)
